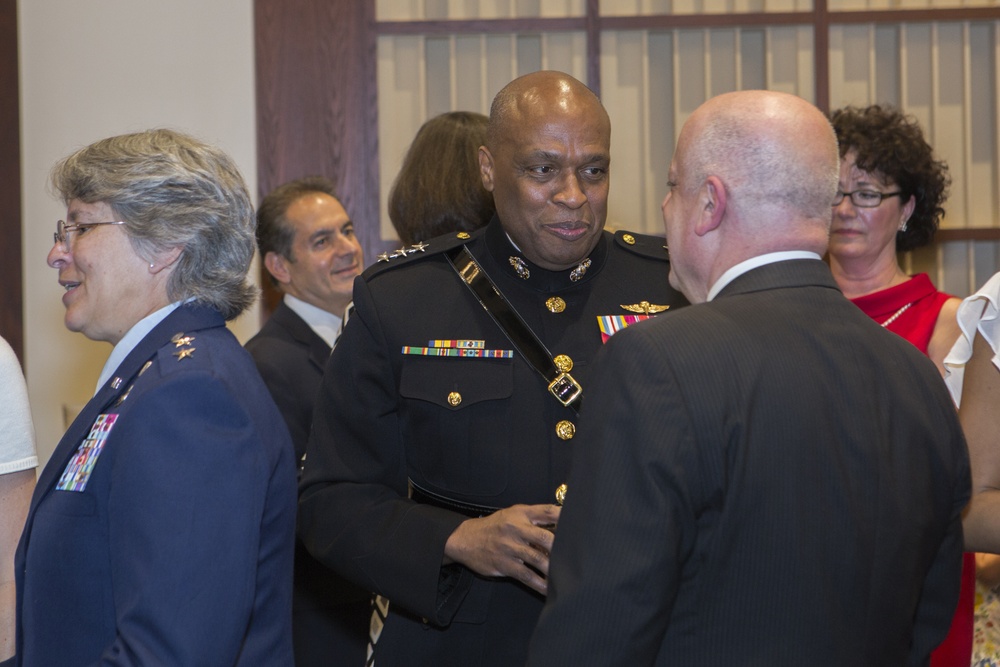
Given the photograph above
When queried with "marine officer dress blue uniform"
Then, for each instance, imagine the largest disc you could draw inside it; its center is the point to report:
(424, 390)
(161, 530)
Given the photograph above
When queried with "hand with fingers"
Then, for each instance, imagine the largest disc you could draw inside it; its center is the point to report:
(514, 542)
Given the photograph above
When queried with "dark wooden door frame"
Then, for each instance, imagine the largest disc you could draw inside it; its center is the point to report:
(11, 296)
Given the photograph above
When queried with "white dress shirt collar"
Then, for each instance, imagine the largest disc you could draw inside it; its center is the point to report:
(131, 339)
(323, 322)
(770, 258)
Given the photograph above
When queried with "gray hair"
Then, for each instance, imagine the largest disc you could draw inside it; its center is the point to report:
(768, 176)
(173, 191)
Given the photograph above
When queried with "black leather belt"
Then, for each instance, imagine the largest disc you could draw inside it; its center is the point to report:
(561, 384)
(425, 497)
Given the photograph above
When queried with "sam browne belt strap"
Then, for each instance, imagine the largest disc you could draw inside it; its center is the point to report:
(561, 384)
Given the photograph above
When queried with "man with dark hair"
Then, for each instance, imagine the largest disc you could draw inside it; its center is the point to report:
(307, 243)
(441, 437)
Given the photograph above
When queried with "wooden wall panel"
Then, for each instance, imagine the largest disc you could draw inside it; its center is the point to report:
(317, 106)
(11, 299)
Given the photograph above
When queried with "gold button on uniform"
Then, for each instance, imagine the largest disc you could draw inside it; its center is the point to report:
(555, 304)
(463, 235)
(561, 494)
(628, 238)
(454, 398)
(563, 363)
(565, 430)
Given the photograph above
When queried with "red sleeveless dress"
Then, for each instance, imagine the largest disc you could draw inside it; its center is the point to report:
(911, 310)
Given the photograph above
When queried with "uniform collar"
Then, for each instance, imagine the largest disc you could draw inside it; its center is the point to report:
(502, 250)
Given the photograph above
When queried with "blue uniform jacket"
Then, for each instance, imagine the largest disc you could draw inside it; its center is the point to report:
(161, 530)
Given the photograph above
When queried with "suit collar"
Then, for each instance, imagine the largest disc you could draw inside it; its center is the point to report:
(300, 331)
(788, 273)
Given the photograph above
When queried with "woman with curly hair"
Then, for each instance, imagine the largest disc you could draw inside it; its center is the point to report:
(889, 199)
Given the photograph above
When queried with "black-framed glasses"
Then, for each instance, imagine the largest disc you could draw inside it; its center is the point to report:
(63, 230)
(863, 198)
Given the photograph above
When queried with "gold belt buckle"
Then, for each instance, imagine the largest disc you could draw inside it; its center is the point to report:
(565, 389)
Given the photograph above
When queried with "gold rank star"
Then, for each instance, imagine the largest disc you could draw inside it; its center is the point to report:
(185, 353)
(180, 340)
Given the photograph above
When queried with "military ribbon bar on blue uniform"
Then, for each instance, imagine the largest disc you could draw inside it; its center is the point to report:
(77, 472)
(470, 349)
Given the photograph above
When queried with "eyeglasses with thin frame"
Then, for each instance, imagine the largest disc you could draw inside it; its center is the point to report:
(864, 198)
(63, 230)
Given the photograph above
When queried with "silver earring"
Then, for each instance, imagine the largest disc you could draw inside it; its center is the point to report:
(151, 265)
(902, 226)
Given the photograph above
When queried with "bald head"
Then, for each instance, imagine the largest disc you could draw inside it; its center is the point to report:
(540, 93)
(546, 161)
(754, 172)
(774, 151)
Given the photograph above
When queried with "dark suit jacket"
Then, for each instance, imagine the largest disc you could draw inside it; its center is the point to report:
(291, 357)
(385, 417)
(330, 622)
(178, 548)
(766, 479)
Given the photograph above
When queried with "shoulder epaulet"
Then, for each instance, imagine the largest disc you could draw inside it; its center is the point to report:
(183, 349)
(418, 251)
(645, 245)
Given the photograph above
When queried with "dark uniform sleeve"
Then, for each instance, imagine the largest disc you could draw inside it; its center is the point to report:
(354, 514)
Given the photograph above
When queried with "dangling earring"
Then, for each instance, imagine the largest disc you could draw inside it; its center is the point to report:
(902, 225)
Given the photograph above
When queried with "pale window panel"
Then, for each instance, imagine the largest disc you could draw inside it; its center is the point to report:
(418, 10)
(723, 64)
(983, 172)
(624, 90)
(649, 7)
(753, 59)
(636, 7)
(887, 65)
(790, 64)
(850, 66)
(854, 5)
(399, 10)
(469, 89)
(986, 261)
(437, 74)
(401, 110)
(947, 133)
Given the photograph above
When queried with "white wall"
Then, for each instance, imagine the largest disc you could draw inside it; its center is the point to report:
(99, 68)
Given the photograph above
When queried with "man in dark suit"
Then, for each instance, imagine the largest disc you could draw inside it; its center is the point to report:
(437, 448)
(767, 477)
(307, 243)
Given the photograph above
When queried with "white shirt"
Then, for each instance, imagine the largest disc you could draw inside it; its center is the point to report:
(738, 270)
(323, 322)
(131, 339)
(978, 313)
(17, 443)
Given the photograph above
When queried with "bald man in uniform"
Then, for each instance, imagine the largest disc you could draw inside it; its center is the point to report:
(438, 446)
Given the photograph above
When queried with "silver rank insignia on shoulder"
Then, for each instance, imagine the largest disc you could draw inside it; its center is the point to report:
(403, 252)
(644, 307)
(184, 353)
(519, 267)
